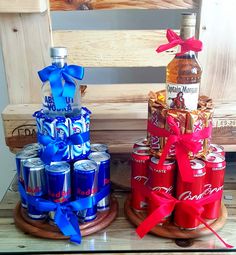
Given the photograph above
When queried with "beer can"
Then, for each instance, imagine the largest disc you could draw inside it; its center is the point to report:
(33, 147)
(103, 161)
(58, 182)
(86, 117)
(215, 148)
(142, 142)
(139, 173)
(39, 116)
(76, 127)
(35, 184)
(215, 171)
(21, 157)
(99, 147)
(161, 179)
(85, 183)
(48, 127)
(62, 132)
(190, 191)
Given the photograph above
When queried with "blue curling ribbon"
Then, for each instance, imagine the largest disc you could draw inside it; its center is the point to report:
(55, 147)
(55, 75)
(65, 214)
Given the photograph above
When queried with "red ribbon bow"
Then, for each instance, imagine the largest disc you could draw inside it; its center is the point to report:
(166, 205)
(186, 45)
(183, 144)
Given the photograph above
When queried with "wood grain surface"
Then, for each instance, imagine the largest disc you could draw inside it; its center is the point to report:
(69, 5)
(118, 237)
(23, 6)
(114, 48)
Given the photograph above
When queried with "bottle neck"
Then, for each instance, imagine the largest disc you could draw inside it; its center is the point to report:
(59, 62)
(187, 32)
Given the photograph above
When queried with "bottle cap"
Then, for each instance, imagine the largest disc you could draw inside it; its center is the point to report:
(188, 19)
(60, 52)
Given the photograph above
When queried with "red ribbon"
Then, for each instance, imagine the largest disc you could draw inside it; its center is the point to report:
(186, 45)
(167, 204)
(183, 144)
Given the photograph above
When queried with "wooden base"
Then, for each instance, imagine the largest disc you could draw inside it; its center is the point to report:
(45, 230)
(169, 230)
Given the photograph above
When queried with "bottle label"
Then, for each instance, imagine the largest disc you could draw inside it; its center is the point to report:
(50, 105)
(182, 96)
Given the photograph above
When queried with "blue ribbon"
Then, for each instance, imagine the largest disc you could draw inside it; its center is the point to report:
(55, 75)
(55, 147)
(65, 214)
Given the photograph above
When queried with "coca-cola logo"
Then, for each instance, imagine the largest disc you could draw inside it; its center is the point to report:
(188, 195)
(163, 189)
(209, 190)
(141, 178)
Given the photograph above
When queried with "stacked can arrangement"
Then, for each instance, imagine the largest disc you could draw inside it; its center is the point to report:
(62, 128)
(208, 174)
(61, 182)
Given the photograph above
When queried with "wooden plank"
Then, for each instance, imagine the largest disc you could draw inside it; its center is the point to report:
(117, 124)
(70, 5)
(219, 53)
(25, 40)
(114, 48)
(23, 6)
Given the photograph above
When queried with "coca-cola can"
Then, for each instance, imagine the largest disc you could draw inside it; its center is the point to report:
(161, 179)
(215, 148)
(142, 142)
(190, 191)
(139, 173)
(215, 172)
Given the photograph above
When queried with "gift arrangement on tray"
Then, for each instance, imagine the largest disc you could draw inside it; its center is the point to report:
(177, 174)
(64, 181)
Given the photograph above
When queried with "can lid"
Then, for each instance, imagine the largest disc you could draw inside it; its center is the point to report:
(99, 157)
(197, 164)
(216, 148)
(60, 52)
(214, 158)
(141, 151)
(61, 167)
(166, 162)
(98, 147)
(85, 165)
(35, 163)
(25, 154)
(141, 141)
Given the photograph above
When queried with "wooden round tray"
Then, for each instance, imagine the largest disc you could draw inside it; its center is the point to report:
(45, 230)
(169, 230)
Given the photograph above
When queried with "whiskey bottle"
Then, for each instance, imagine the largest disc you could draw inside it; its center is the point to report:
(183, 73)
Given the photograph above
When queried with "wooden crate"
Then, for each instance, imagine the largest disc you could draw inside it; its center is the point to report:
(119, 110)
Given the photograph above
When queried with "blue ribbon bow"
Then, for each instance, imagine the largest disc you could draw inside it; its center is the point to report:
(55, 147)
(65, 214)
(55, 75)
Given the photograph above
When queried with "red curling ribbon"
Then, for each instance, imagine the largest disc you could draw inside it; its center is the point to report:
(167, 205)
(183, 144)
(191, 44)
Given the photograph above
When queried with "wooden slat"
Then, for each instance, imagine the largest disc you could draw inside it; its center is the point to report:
(66, 5)
(118, 124)
(23, 6)
(218, 58)
(114, 48)
(25, 41)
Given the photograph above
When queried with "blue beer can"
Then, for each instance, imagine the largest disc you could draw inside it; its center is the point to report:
(86, 121)
(33, 147)
(58, 182)
(35, 184)
(85, 182)
(62, 132)
(77, 127)
(39, 116)
(48, 126)
(21, 157)
(99, 147)
(103, 161)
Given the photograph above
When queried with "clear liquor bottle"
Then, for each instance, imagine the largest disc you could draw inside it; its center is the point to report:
(73, 105)
(183, 74)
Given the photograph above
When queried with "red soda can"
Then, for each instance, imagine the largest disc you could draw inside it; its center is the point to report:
(215, 171)
(190, 191)
(142, 142)
(162, 180)
(215, 148)
(139, 173)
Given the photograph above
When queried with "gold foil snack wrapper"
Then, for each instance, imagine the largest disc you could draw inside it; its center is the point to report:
(187, 121)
